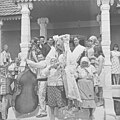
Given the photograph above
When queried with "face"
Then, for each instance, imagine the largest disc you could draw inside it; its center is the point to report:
(17, 61)
(38, 42)
(84, 64)
(6, 47)
(76, 41)
(96, 42)
(59, 46)
(115, 48)
(90, 43)
(50, 41)
(42, 40)
(40, 57)
(71, 46)
(53, 61)
(92, 61)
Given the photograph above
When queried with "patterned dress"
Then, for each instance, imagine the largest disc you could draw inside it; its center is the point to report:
(86, 86)
(115, 62)
(55, 88)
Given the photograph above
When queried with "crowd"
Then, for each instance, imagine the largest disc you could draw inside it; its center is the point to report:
(69, 74)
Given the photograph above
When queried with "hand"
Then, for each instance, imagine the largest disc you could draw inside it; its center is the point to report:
(96, 89)
(55, 37)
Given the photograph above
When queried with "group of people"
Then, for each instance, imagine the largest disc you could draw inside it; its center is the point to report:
(68, 73)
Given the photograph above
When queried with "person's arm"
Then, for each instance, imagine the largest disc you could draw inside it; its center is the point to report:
(10, 60)
(41, 64)
(100, 66)
(111, 55)
(1, 59)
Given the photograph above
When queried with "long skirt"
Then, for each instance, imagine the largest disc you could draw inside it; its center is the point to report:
(86, 89)
(56, 96)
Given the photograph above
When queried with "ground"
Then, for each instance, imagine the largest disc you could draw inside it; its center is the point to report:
(79, 115)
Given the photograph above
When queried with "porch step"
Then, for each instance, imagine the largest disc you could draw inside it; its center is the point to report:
(118, 117)
(80, 115)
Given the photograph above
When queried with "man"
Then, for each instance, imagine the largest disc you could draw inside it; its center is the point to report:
(47, 46)
(40, 43)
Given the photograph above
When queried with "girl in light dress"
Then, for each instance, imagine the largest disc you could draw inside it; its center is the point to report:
(90, 46)
(85, 73)
(100, 60)
(115, 59)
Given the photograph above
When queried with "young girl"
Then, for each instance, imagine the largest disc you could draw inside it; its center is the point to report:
(115, 59)
(101, 73)
(55, 89)
(85, 73)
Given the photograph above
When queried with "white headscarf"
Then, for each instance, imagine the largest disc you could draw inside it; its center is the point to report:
(85, 59)
(93, 38)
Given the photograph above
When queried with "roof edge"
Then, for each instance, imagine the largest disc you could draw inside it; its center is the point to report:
(9, 17)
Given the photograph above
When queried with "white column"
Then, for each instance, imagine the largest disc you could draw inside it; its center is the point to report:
(99, 21)
(25, 29)
(106, 41)
(43, 26)
(1, 23)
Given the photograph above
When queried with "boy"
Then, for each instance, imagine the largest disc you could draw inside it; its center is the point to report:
(41, 77)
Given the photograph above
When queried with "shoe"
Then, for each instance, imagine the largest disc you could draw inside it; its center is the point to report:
(91, 117)
(99, 104)
(41, 115)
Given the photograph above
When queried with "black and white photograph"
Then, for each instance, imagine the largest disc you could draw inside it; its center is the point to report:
(59, 59)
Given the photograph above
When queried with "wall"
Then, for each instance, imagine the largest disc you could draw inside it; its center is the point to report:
(115, 35)
(11, 34)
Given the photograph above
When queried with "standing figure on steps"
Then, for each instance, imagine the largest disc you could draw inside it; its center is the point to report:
(41, 78)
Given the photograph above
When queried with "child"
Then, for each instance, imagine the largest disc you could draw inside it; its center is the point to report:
(86, 84)
(55, 89)
(41, 77)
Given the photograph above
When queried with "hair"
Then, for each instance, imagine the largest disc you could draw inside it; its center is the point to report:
(41, 37)
(98, 51)
(49, 38)
(35, 39)
(116, 45)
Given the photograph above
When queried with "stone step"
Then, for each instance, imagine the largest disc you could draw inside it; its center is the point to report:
(79, 115)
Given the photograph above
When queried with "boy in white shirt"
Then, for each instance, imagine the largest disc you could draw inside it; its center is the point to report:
(41, 77)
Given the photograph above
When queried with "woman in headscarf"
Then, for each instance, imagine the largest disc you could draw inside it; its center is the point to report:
(71, 87)
(79, 50)
(56, 97)
(85, 74)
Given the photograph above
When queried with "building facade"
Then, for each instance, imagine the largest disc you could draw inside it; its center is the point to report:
(21, 20)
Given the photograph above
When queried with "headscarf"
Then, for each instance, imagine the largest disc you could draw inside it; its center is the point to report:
(85, 59)
(93, 38)
(59, 44)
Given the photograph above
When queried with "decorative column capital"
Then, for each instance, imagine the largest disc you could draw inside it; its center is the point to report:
(25, 7)
(105, 7)
(43, 21)
(101, 2)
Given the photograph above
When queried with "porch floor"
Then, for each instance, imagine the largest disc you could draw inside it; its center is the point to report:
(80, 115)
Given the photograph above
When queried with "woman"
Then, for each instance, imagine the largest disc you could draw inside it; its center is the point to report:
(55, 85)
(115, 59)
(101, 73)
(77, 53)
(90, 48)
(85, 74)
(73, 57)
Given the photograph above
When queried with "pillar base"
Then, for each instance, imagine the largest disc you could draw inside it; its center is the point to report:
(109, 111)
